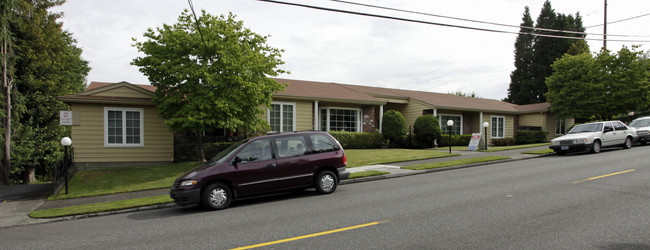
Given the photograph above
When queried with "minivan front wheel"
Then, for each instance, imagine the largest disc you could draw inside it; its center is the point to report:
(326, 182)
(216, 196)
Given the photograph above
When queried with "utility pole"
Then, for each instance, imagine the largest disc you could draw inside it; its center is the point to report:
(605, 28)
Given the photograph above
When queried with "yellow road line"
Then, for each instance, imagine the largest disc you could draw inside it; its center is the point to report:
(307, 236)
(603, 176)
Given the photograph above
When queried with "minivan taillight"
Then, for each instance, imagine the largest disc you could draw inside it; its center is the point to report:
(345, 160)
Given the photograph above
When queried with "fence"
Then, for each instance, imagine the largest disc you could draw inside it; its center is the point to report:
(59, 173)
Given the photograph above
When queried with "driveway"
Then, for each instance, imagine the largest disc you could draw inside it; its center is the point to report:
(16, 199)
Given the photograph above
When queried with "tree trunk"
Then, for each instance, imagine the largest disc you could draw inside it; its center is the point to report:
(6, 85)
(199, 137)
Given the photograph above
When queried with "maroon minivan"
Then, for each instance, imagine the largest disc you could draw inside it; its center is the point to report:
(262, 165)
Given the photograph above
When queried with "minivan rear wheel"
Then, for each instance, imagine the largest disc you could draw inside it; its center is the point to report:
(326, 182)
(216, 196)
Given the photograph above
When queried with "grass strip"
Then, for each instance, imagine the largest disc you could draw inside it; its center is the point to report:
(367, 174)
(100, 207)
(540, 152)
(366, 157)
(124, 179)
(492, 148)
(455, 162)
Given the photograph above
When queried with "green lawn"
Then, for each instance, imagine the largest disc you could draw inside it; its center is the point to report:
(455, 162)
(365, 157)
(125, 179)
(100, 207)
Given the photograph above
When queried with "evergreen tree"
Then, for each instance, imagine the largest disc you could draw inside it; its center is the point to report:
(528, 87)
(520, 78)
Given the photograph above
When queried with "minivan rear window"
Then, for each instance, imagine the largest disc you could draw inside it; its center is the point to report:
(290, 146)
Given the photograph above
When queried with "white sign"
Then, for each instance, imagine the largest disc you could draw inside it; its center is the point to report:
(473, 143)
(65, 117)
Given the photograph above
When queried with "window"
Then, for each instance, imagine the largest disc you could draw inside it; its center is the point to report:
(457, 129)
(322, 143)
(259, 150)
(498, 127)
(123, 127)
(282, 117)
(290, 146)
(619, 126)
(340, 119)
(560, 126)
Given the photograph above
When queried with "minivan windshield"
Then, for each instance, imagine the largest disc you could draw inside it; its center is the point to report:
(640, 123)
(225, 154)
(591, 127)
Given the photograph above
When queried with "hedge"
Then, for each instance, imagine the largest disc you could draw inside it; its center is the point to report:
(190, 152)
(528, 136)
(456, 140)
(503, 141)
(354, 140)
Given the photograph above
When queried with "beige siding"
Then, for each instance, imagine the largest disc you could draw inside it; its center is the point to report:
(412, 111)
(537, 120)
(123, 92)
(88, 138)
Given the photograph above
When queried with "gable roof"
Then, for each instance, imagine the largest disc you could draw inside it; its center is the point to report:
(324, 91)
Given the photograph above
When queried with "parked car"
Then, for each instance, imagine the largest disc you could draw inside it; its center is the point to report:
(642, 126)
(263, 165)
(594, 136)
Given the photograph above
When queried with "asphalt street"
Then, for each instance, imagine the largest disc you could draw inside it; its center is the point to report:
(580, 201)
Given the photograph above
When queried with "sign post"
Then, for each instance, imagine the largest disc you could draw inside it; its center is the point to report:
(473, 143)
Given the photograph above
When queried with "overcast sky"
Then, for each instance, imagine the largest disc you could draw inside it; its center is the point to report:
(336, 47)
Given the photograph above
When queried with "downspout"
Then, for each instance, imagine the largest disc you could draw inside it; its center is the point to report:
(315, 115)
(381, 117)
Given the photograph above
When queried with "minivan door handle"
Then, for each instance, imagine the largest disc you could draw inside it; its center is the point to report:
(271, 165)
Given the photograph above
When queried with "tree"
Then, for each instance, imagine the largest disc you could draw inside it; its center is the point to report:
(463, 94)
(47, 65)
(393, 126)
(427, 130)
(209, 74)
(528, 79)
(6, 11)
(601, 87)
(520, 78)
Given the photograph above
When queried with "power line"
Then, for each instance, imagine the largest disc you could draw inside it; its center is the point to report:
(442, 24)
(618, 21)
(198, 27)
(483, 22)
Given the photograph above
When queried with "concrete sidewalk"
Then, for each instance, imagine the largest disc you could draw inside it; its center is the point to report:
(13, 210)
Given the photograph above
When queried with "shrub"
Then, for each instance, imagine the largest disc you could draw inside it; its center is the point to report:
(426, 129)
(456, 140)
(190, 152)
(393, 127)
(528, 136)
(503, 141)
(354, 140)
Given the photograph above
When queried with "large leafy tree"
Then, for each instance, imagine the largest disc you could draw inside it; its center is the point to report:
(600, 87)
(520, 79)
(210, 72)
(45, 64)
(528, 79)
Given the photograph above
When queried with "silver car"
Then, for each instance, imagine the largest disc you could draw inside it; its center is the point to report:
(594, 136)
(642, 126)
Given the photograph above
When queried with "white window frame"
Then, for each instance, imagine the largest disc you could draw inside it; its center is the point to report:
(442, 123)
(562, 126)
(123, 143)
(293, 114)
(327, 121)
(495, 125)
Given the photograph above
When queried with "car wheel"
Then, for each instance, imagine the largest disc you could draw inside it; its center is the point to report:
(216, 196)
(595, 148)
(628, 143)
(326, 182)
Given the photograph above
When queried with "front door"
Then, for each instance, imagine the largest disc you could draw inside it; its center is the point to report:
(255, 169)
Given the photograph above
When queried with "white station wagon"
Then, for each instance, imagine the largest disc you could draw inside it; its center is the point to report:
(594, 136)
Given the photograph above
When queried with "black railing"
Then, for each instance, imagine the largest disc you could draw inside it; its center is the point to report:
(59, 174)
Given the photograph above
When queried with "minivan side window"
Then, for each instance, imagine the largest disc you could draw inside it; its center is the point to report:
(259, 150)
(289, 146)
(322, 143)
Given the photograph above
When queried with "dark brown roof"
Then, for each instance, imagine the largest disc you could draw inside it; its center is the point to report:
(94, 85)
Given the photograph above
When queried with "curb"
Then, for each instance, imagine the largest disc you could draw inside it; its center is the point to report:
(343, 182)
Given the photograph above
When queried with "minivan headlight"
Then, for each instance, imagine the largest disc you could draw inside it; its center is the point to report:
(188, 183)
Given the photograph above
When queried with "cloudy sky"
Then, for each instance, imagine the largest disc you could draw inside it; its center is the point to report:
(336, 47)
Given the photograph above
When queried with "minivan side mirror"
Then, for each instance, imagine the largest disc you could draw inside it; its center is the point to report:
(236, 160)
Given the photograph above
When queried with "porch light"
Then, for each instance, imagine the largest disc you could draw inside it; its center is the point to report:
(485, 125)
(449, 124)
